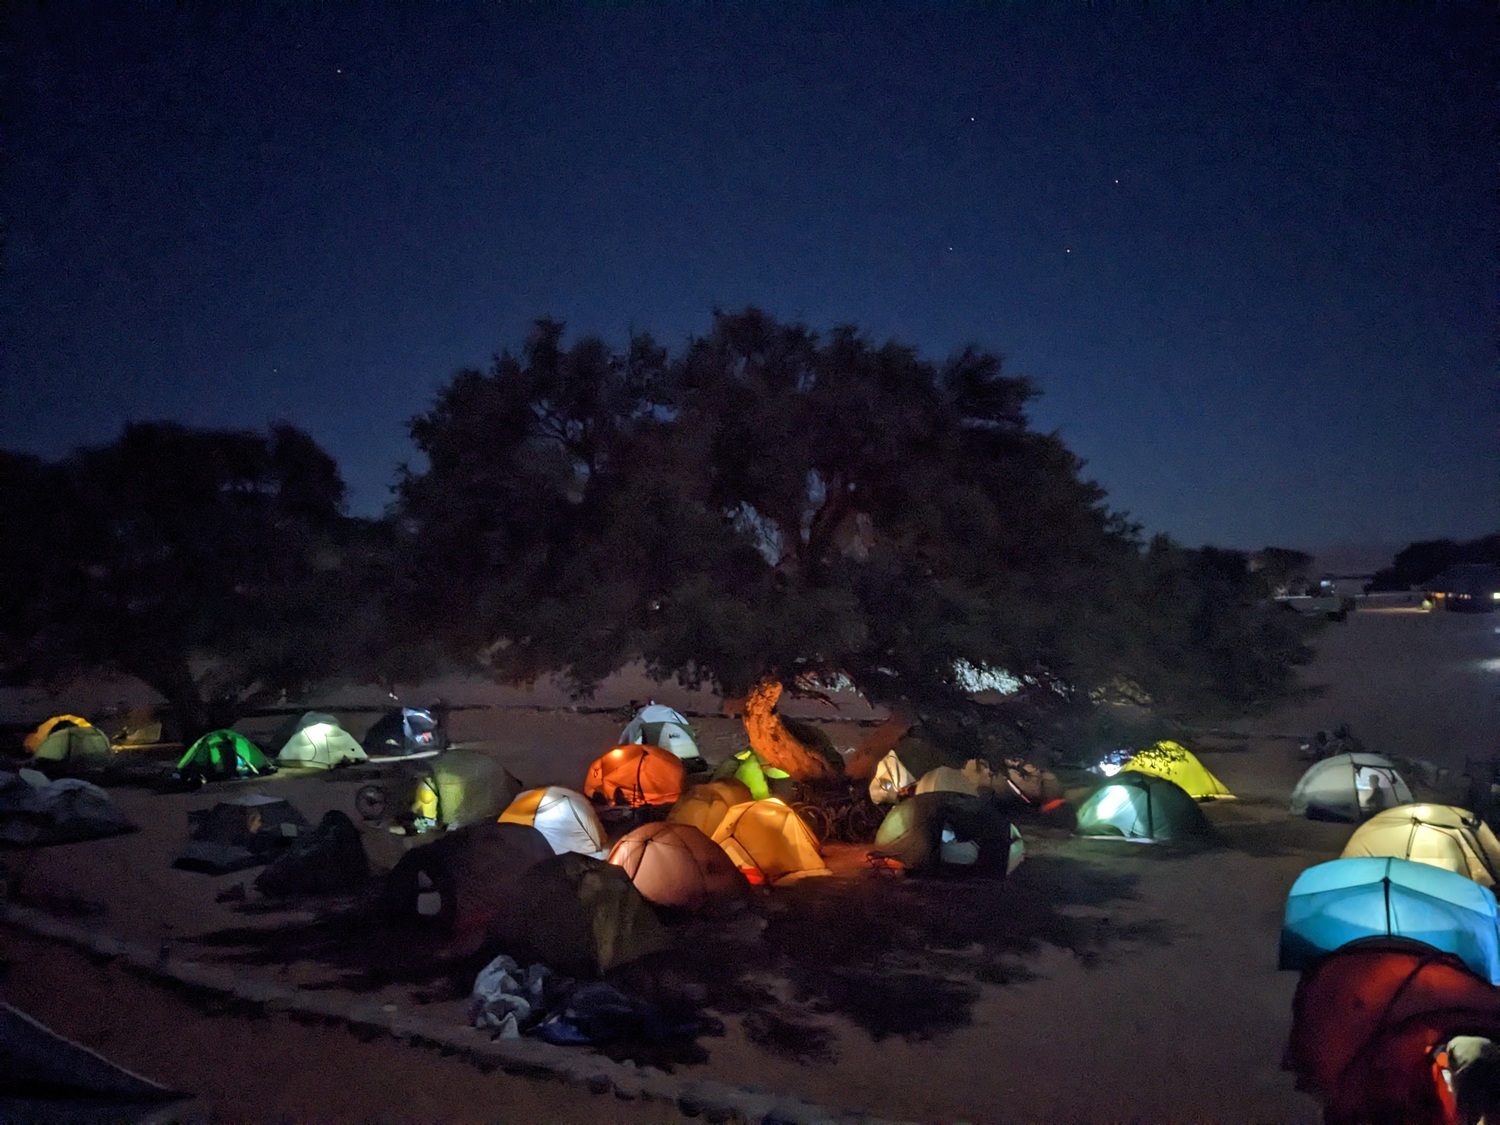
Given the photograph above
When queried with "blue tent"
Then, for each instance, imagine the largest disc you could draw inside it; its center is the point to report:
(1335, 903)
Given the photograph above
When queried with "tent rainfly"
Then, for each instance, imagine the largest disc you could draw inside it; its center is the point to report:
(320, 742)
(656, 725)
(636, 774)
(1447, 837)
(34, 739)
(1142, 807)
(1344, 900)
(566, 818)
(1180, 765)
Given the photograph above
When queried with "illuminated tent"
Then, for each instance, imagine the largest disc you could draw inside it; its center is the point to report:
(656, 725)
(566, 818)
(933, 829)
(704, 806)
(756, 774)
(677, 865)
(946, 779)
(318, 740)
(636, 774)
(34, 739)
(461, 880)
(463, 787)
(898, 772)
(1142, 807)
(75, 746)
(768, 841)
(222, 754)
(1349, 787)
(1341, 901)
(1447, 837)
(1180, 765)
(579, 916)
(1365, 1017)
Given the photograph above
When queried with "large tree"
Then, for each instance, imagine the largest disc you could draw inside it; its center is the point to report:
(209, 564)
(767, 508)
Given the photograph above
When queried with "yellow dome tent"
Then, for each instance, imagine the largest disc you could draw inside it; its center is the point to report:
(1180, 765)
(1440, 835)
(768, 841)
(705, 805)
(36, 737)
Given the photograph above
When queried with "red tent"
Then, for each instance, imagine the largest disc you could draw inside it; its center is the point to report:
(1365, 1019)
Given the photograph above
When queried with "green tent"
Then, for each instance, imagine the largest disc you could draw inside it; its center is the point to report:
(949, 828)
(76, 746)
(464, 787)
(1143, 807)
(579, 916)
(758, 776)
(222, 754)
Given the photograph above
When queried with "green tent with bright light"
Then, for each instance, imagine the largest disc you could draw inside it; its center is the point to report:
(1142, 807)
(753, 771)
(223, 754)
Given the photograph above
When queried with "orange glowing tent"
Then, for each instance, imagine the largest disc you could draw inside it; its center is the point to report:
(677, 865)
(636, 774)
(1365, 1018)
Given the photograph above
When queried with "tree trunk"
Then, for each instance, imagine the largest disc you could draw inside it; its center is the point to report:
(770, 739)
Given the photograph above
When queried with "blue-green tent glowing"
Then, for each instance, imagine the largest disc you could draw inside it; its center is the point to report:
(1335, 903)
(1142, 807)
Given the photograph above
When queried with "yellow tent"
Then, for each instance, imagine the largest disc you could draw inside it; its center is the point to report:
(704, 806)
(34, 739)
(1178, 764)
(1440, 835)
(768, 841)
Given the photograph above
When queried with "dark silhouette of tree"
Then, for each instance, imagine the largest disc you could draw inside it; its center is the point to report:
(1420, 562)
(206, 563)
(767, 509)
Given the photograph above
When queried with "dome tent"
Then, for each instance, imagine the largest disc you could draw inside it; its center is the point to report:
(705, 805)
(656, 725)
(566, 818)
(78, 746)
(677, 865)
(946, 779)
(768, 841)
(34, 739)
(930, 829)
(405, 732)
(317, 740)
(636, 774)
(222, 754)
(1349, 787)
(901, 768)
(1447, 837)
(462, 787)
(1180, 765)
(1335, 903)
(460, 881)
(1142, 807)
(579, 916)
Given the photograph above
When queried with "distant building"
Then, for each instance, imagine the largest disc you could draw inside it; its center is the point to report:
(1467, 587)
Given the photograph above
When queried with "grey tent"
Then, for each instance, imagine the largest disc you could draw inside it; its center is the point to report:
(327, 859)
(35, 811)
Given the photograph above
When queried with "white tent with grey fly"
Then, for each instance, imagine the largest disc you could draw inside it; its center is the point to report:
(658, 725)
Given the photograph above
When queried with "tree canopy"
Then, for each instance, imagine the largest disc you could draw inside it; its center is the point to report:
(766, 508)
(205, 563)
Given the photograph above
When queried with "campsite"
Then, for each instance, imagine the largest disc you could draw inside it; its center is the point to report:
(1097, 980)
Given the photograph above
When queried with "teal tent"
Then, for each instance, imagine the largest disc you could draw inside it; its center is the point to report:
(1342, 901)
(222, 754)
(1142, 807)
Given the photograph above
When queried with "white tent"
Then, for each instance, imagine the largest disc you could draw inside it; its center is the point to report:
(946, 779)
(320, 741)
(566, 818)
(1349, 787)
(890, 777)
(657, 725)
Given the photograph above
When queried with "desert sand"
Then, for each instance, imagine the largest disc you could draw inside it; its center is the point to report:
(1101, 983)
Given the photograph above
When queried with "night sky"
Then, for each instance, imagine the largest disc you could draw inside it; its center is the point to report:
(1247, 251)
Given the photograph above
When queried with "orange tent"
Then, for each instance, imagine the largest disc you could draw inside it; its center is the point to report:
(676, 865)
(1365, 1018)
(637, 774)
(705, 806)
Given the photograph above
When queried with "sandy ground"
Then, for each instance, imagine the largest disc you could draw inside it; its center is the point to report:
(1102, 983)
